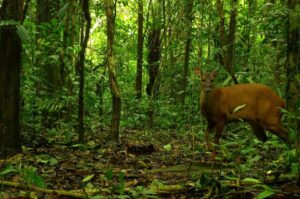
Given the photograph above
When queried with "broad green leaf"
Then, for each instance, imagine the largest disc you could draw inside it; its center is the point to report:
(251, 180)
(226, 81)
(46, 159)
(121, 183)
(62, 11)
(168, 147)
(109, 174)
(294, 168)
(265, 194)
(53, 161)
(31, 176)
(7, 170)
(9, 22)
(88, 178)
(23, 33)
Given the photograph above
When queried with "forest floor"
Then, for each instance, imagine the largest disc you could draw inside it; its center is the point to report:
(148, 164)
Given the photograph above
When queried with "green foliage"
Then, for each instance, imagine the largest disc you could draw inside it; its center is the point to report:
(9, 23)
(23, 33)
(46, 159)
(206, 180)
(9, 169)
(169, 113)
(259, 56)
(109, 174)
(119, 187)
(29, 175)
(265, 194)
(142, 192)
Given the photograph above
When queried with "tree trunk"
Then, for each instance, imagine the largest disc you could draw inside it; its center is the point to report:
(50, 72)
(139, 67)
(153, 60)
(221, 28)
(154, 48)
(223, 57)
(115, 91)
(10, 74)
(248, 36)
(188, 33)
(80, 68)
(292, 70)
(67, 59)
(45, 12)
(231, 39)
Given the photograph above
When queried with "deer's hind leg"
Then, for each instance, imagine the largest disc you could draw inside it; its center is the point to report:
(258, 130)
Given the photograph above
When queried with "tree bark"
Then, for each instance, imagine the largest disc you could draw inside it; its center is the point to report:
(68, 59)
(154, 55)
(188, 33)
(231, 39)
(153, 60)
(52, 81)
(226, 44)
(10, 75)
(292, 71)
(221, 28)
(80, 68)
(115, 91)
(140, 46)
(248, 29)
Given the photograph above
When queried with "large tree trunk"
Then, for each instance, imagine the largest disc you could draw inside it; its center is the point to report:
(115, 91)
(10, 72)
(292, 70)
(293, 64)
(80, 68)
(140, 46)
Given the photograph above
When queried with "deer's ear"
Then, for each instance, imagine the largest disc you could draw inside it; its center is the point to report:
(198, 71)
(214, 73)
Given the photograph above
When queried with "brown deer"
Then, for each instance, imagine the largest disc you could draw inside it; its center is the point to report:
(256, 104)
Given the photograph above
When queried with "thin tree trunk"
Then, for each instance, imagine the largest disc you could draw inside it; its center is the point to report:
(223, 57)
(140, 46)
(231, 39)
(188, 22)
(153, 69)
(222, 38)
(80, 68)
(153, 60)
(10, 75)
(115, 91)
(247, 32)
(209, 37)
(67, 60)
